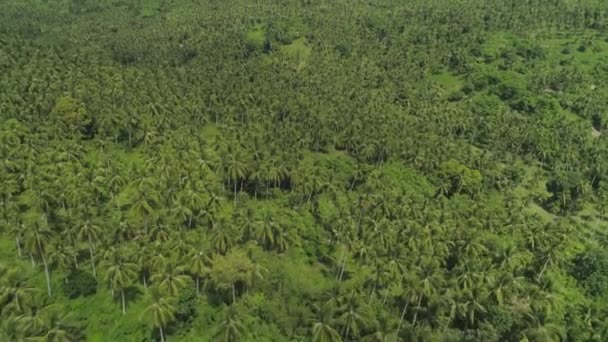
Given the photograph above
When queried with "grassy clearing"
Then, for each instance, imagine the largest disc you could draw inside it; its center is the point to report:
(299, 50)
(447, 81)
(255, 38)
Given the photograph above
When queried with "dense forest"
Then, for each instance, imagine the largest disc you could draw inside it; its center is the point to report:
(303, 170)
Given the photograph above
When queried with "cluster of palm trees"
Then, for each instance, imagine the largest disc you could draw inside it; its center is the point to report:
(209, 172)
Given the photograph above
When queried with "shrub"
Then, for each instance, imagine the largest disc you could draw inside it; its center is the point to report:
(186, 305)
(80, 283)
(73, 115)
(456, 96)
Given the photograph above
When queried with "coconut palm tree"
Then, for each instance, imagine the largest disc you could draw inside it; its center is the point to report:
(162, 312)
(120, 273)
(236, 169)
(90, 233)
(63, 257)
(323, 326)
(230, 329)
(16, 296)
(353, 316)
(37, 238)
(197, 265)
(170, 279)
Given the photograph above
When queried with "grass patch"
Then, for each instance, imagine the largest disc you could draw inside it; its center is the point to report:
(299, 50)
(255, 38)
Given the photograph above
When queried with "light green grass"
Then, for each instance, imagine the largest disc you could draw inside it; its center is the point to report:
(255, 37)
(299, 50)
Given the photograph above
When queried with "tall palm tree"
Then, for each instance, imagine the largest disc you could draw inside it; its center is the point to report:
(17, 230)
(63, 257)
(236, 169)
(230, 329)
(162, 311)
(120, 273)
(197, 264)
(353, 317)
(223, 237)
(145, 201)
(383, 332)
(16, 296)
(49, 324)
(323, 327)
(171, 279)
(90, 233)
(37, 239)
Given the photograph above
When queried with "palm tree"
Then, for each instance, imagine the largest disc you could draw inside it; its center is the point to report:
(197, 262)
(120, 274)
(162, 311)
(12, 328)
(63, 257)
(354, 316)
(188, 203)
(384, 332)
(144, 202)
(267, 232)
(49, 324)
(37, 238)
(323, 327)
(17, 230)
(171, 279)
(90, 232)
(230, 329)
(223, 237)
(236, 170)
(543, 333)
(16, 297)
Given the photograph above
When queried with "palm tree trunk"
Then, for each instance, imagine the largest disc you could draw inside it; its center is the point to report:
(190, 221)
(18, 245)
(122, 299)
(347, 330)
(417, 310)
(385, 297)
(342, 268)
(402, 316)
(92, 254)
(32, 259)
(540, 275)
(47, 275)
(198, 285)
(162, 334)
(233, 294)
(235, 193)
(371, 295)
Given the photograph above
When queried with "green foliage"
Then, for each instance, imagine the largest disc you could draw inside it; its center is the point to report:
(591, 270)
(303, 170)
(255, 39)
(73, 115)
(79, 283)
(186, 309)
(459, 178)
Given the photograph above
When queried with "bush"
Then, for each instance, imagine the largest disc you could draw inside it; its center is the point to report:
(80, 283)
(591, 271)
(456, 96)
(186, 305)
(72, 113)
